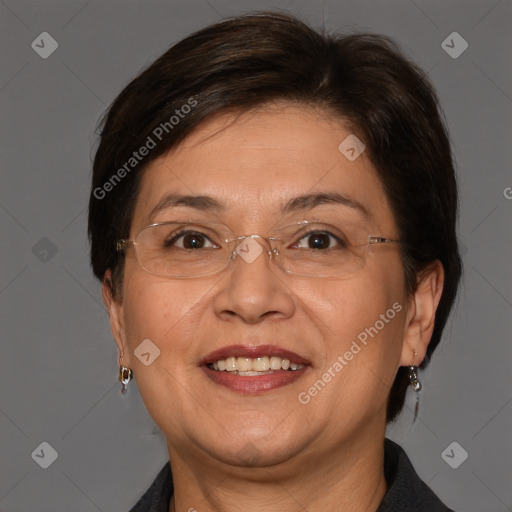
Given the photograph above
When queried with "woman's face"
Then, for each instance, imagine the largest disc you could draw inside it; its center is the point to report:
(349, 329)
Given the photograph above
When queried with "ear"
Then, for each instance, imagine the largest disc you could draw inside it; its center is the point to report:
(116, 316)
(421, 313)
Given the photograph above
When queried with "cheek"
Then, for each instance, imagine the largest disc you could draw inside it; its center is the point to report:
(167, 313)
(348, 306)
(162, 310)
(363, 319)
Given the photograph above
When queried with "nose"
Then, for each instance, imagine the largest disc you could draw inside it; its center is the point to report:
(253, 289)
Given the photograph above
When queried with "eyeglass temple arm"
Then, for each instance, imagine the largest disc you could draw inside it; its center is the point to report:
(123, 244)
(381, 240)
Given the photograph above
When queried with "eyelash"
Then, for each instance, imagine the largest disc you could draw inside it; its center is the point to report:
(179, 235)
(320, 232)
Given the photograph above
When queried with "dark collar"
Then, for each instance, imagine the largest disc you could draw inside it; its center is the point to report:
(406, 491)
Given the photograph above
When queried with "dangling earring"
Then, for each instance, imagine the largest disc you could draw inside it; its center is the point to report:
(416, 385)
(125, 375)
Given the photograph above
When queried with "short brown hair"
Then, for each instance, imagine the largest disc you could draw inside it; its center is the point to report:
(247, 61)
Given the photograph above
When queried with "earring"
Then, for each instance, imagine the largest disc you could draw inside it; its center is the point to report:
(125, 375)
(416, 385)
(413, 378)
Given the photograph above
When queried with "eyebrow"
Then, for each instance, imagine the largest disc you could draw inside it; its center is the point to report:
(299, 203)
(310, 201)
(201, 203)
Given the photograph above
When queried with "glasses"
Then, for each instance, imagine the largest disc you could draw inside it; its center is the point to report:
(303, 248)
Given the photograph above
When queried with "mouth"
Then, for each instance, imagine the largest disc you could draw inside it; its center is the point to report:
(254, 369)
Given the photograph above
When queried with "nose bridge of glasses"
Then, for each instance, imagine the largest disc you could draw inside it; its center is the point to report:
(240, 248)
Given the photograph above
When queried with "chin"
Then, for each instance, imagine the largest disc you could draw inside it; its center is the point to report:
(261, 447)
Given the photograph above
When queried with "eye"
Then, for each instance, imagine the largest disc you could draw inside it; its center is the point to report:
(320, 240)
(190, 240)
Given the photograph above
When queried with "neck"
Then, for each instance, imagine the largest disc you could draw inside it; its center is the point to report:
(349, 477)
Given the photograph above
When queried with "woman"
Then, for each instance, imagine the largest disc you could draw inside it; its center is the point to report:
(272, 217)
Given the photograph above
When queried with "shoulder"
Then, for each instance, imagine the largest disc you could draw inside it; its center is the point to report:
(158, 495)
(406, 491)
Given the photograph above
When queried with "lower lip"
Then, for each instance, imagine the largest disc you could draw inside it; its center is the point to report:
(254, 384)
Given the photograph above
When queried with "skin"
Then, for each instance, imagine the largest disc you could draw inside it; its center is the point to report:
(234, 452)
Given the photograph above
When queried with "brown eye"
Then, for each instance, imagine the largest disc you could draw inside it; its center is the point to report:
(320, 240)
(193, 241)
(189, 240)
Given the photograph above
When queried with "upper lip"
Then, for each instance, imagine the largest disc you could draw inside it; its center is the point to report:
(252, 351)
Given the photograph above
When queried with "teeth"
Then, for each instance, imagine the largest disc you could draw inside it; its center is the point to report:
(243, 364)
(275, 363)
(254, 366)
(252, 374)
(231, 364)
(260, 364)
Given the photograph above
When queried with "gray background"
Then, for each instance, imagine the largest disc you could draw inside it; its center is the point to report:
(58, 361)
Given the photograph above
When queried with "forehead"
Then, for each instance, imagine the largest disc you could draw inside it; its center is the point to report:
(256, 162)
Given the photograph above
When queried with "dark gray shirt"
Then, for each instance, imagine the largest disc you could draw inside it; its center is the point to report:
(406, 491)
